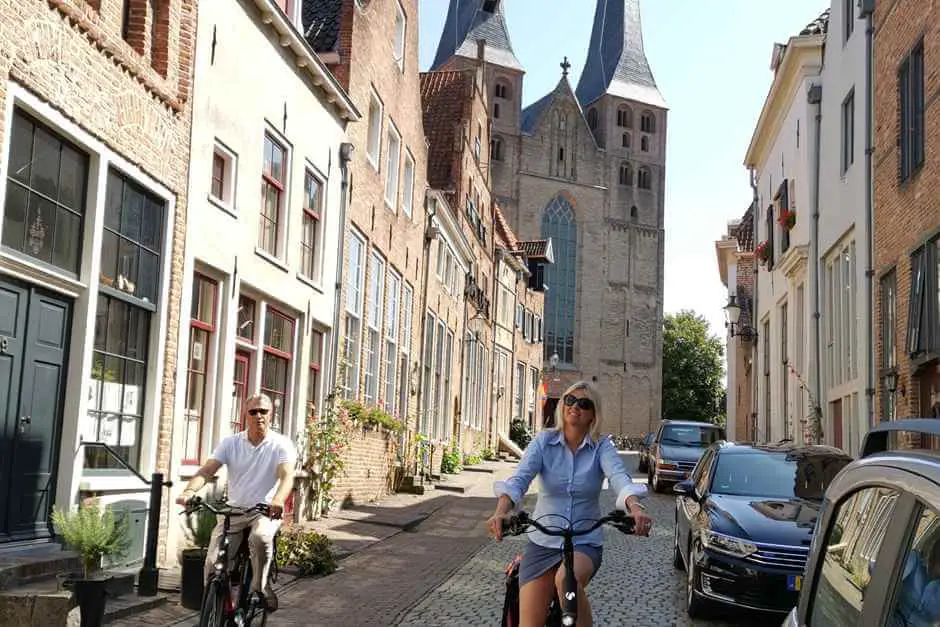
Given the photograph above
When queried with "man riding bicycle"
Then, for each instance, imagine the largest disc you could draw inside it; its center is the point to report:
(260, 470)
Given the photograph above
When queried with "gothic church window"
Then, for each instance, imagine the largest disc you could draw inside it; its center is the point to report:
(648, 122)
(592, 118)
(625, 141)
(626, 174)
(644, 179)
(501, 93)
(624, 117)
(558, 223)
(645, 143)
(496, 149)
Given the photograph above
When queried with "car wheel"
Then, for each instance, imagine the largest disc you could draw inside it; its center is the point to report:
(676, 552)
(641, 465)
(657, 484)
(695, 604)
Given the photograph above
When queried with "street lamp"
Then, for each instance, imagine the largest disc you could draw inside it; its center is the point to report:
(553, 362)
(733, 312)
(891, 381)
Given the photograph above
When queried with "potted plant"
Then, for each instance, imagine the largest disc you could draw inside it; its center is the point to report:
(93, 533)
(762, 252)
(199, 526)
(787, 219)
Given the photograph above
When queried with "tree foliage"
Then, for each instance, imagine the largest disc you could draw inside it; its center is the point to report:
(692, 369)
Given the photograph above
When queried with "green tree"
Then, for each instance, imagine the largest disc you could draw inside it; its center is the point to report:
(692, 369)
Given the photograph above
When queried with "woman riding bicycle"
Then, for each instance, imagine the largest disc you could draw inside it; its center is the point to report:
(571, 461)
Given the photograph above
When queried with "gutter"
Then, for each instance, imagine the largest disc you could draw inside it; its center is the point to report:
(869, 215)
(814, 97)
(429, 213)
(345, 156)
(755, 321)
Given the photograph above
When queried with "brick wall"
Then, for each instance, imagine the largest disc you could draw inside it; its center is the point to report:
(906, 214)
(71, 55)
(369, 473)
(367, 66)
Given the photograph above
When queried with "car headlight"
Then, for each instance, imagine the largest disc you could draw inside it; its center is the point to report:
(727, 544)
(665, 464)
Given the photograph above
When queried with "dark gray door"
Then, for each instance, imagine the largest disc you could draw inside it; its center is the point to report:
(34, 338)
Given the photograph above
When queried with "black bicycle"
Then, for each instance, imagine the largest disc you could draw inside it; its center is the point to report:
(226, 601)
(562, 612)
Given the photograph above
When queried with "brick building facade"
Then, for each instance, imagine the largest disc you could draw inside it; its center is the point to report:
(372, 48)
(586, 168)
(95, 123)
(906, 218)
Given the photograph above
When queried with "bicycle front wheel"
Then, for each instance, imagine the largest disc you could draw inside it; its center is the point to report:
(212, 613)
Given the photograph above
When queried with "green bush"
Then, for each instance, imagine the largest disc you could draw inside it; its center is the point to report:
(472, 459)
(372, 416)
(451, 460)
(488, 454)
(199, 526)
(308, 551)
(519, 433)
(92, 533)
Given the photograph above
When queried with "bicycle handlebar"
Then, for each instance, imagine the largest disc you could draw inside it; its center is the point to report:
(520, 522)
(197, 503)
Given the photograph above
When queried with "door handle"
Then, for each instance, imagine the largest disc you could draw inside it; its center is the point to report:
(25, 421)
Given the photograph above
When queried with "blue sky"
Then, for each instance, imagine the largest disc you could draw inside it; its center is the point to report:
(711, 60)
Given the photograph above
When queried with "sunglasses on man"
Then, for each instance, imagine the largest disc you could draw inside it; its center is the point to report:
(256, 411)
(582, 403)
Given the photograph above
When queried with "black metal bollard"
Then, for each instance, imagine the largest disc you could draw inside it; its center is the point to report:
(149, 578)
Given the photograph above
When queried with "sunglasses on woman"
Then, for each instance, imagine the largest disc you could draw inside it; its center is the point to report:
(582, 403)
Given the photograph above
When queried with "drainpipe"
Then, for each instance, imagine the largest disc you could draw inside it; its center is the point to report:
(866, 12)
(814, 97)
(755, 389)
(345, 156)
(430, 210)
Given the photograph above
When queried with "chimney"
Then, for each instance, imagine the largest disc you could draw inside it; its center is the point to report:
(481, 63)
(481, 50)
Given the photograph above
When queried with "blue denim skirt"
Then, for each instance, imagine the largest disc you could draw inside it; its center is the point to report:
(538, 559)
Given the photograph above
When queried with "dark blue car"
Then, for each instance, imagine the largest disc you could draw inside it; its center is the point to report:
(745, 521)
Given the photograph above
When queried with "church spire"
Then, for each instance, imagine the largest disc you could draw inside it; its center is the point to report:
(469, 21)
(616, 62)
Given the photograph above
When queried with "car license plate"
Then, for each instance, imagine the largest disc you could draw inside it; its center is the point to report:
(794, 582)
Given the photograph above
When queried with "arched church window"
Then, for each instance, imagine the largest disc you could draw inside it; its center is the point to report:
(496, 149)
(626, 174)
(558, 223)
(648, 122)
(624, 117)
(644, 178)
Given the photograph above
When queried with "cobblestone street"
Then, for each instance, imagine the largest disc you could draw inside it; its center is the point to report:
(636, 585)
(447, 572)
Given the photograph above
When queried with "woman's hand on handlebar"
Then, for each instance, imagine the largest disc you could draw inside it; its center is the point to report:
(495, 524)
(642, 522)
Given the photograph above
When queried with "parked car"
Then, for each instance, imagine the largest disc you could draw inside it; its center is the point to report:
(676, 449)
(875, 557)
(644, 461)
(744, 522)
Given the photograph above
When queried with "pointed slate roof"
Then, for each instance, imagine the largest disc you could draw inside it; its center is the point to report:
(470, 20)
(616, 62)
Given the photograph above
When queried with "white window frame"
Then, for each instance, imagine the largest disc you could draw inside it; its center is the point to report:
(229, 182)
(318, 245)
(352, 332)
(400, 36)
(393, 167)
(283, 215)
(372, 347)
(392, 331)
(408, 184)
(374, 136)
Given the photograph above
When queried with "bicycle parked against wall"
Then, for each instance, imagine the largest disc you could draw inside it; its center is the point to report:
(227, 602)
(562, 612)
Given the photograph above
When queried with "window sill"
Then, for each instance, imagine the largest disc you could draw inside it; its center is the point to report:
(309, 283)
(373, 161)
(50, 275)
(224, 206)
(274, 261)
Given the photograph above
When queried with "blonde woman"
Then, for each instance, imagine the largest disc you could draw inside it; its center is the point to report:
(571, 461)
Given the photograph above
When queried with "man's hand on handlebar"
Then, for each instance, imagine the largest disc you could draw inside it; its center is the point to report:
(184, 498)
(275, 509)
(495, 524)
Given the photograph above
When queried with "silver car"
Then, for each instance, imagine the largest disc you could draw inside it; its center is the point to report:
(875, 554)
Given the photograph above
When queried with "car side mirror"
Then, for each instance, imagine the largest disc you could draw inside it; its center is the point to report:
(684, 488)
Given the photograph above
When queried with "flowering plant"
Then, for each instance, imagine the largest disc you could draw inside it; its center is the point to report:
(762, 252)
(326, 441)
(787, 219)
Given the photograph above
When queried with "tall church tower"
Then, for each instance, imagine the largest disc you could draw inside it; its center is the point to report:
(586, 168)
(468, 23)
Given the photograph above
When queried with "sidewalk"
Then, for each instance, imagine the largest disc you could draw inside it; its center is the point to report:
(392, 554)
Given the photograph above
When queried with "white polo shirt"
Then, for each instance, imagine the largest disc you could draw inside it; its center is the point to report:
(252, 470)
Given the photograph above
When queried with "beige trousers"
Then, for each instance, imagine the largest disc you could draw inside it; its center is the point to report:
(260, 545)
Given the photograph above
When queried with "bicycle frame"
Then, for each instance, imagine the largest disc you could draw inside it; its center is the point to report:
(569, 599)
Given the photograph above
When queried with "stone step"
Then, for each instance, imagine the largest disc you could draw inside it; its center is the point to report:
(36, 562)
(484, 469)
(130, 605)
